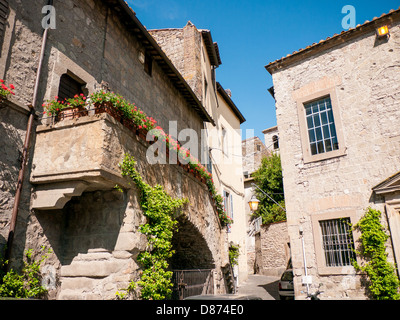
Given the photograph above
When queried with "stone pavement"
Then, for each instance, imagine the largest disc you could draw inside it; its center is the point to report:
(265, 287)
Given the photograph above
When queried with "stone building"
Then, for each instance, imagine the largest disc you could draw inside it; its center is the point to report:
(197, 57)
(338, 109)
(272, 249)
(67, 202)
(271, 138)
(253, 150)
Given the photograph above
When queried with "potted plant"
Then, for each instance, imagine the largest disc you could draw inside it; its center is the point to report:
(75, 107)
(5, 92)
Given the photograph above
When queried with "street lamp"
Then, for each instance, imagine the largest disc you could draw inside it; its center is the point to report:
(253, 203)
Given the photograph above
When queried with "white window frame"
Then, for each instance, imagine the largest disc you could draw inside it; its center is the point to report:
(305, 142)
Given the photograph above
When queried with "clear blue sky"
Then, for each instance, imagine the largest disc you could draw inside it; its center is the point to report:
(250, 34)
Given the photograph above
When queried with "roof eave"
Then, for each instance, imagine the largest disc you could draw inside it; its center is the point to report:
(135, 26)
(331, 42)
(212, 48)
(231, 104)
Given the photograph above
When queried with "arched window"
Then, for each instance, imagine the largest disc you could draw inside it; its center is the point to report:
(275, 140)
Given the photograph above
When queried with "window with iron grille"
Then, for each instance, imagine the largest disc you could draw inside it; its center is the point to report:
(337, 242)
(321, 126)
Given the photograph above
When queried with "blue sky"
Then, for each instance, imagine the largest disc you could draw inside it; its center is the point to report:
(250, 34)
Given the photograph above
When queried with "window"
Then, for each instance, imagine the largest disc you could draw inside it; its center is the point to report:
(225, 142)
(4, 11)
(321, 126)
(320, 123)
(275, 141)
(337, 242)
(69, 87)
(148, 64)
(205, 91)
(228, 203)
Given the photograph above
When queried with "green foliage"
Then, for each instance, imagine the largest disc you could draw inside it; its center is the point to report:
(269, 178)
(6, 92)
(234, 254)
(160, 210)
(136, 117)
(26, 284)
(382, 282)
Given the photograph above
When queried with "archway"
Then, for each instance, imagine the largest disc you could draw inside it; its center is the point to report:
(192, 264)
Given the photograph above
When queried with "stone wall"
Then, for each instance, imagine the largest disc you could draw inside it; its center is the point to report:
(183, 48)
(90, 43)
(364, 76)
(253, 150)
(12, 132)
(95, 236)
(272, 251)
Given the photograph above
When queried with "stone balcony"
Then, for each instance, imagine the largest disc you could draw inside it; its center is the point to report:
(78, 155)
(92, 228)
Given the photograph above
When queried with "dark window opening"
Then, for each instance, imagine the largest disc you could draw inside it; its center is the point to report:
(148, 64)
(275, 140)
(69, 87)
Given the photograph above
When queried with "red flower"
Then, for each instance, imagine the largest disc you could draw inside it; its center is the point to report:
(12, 87)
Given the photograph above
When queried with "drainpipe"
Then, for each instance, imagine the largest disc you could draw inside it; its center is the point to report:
(304, 260)
(24, 161)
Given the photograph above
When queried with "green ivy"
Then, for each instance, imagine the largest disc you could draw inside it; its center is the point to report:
(269, 178)
(382, 283)
(160, 210)
(26, 284)
(234, 254)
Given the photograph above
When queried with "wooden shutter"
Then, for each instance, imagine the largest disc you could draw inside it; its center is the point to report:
(4, 12)
(69, 87)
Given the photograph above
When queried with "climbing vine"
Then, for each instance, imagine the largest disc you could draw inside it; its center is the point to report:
(24, 284)
(159, 208)
(234, 254)
(382, 282)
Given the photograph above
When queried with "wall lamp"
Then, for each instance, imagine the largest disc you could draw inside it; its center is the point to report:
(253, 203)
(383, 32)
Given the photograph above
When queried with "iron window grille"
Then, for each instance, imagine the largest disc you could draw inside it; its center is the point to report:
(321, 126)
(338, 243)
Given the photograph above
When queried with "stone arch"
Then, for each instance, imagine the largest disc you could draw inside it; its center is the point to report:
(191, 248)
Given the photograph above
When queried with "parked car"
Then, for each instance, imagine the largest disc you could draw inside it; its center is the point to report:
(285, 285)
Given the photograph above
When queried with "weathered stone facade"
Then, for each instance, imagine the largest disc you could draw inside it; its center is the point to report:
(68, 202)
(253, 150)
(196, 56)
(95, 235)
(360, 73)
(272, 250)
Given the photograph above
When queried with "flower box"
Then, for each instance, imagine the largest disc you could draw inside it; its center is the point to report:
(71, 113)
(142, 133)
(107, 107)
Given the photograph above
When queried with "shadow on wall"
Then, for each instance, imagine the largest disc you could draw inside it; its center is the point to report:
(191, 249)
(92, 221)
